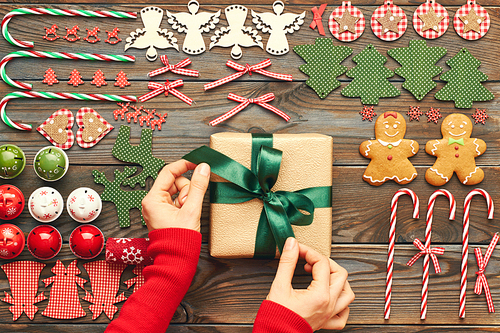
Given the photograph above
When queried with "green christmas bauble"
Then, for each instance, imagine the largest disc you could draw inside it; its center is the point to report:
(51, 163)
(12, 161)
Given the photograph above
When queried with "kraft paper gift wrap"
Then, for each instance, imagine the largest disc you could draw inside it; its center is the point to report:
(306, 162)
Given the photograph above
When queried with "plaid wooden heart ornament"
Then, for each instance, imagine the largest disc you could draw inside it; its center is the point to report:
(92, 127)
(57, 129)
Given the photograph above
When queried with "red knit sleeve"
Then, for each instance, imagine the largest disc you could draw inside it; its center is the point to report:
(275, 318)
(175, 252)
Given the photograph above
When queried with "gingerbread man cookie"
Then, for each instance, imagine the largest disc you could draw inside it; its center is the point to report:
(455, 152)
(389, 152)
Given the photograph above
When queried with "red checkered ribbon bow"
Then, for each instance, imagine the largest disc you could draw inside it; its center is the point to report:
(242, 70)
(481, 281)
(245, 102)
(317, 13)
(425, 251)
(168, 87)
(177, 68)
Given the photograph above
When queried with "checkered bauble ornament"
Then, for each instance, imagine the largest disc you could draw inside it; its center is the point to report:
(471, 21)
(346, 22)
(389, 21)
(431, 20)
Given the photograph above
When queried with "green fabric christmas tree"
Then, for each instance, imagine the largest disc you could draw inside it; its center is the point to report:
(464, 81)
(418, 66)
(323, 64)
(370, 77)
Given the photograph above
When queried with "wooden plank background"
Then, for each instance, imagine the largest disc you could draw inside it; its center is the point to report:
(225, 294)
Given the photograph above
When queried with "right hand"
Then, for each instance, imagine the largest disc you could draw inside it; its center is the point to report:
(324, 304)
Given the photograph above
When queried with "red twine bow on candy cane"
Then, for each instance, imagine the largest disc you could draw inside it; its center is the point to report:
(242, 70)
(168, 87)
(424, 251)
(317, 18)
(245, 102)
(481, 281)
(177, 68)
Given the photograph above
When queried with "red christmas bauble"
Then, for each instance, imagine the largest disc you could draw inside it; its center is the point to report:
(11, 241)
(11, 202)
(86, 242)
(44, 242)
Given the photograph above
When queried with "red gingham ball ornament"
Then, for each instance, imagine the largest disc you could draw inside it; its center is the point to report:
(471, 21)
(11, 241)
(431, 20)
(44, 242)
(346, 22)
(389, 21)
(11, 202)
(86, 241)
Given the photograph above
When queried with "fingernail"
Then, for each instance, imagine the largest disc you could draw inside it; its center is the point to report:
(290, 243)
(183, 198)
(204, 169)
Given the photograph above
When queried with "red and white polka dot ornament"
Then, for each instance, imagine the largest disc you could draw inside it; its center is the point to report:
(346, 22)
(431, 20)
(389, 21)
(471, 21)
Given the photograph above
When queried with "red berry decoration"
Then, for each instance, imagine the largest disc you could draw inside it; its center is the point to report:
(86, 242)
(75, 78)
(433, 115)
(480, 116)
(414, 113)
(367, 113)
(44, 242)
(11, 202)
(11, 241)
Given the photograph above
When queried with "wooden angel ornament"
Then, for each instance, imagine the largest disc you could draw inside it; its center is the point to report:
(236, 34)
(193, 24)
(151, 36)
(278, 25)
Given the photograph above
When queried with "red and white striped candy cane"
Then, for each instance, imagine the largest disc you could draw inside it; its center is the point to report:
(392, 240)
(465, 242)
(428, 231)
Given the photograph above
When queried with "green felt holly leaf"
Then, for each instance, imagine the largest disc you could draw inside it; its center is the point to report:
(323, 64)
(464, 81)
(418, 66)
(370, 77)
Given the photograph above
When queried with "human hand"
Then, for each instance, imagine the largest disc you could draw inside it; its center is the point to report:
(158, 208)
(324, 304)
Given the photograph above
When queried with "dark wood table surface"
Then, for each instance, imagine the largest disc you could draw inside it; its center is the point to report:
(225, 294)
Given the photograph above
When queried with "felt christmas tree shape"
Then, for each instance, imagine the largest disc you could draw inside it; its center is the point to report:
(105, 281)
(123, 200)
(370, 77)
(141, 154)
(64, 302)
(137, 281)
(75, 78)
(98, 79)
(464, 81)
(23, 279)
(418, 66)
(50, 77)
(121, 80)
(323, 64)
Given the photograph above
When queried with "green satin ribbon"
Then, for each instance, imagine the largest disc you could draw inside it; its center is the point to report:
(281, 208)
(459, 141)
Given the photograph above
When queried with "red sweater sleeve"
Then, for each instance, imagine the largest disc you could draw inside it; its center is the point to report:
(175, 252)
(275, 318)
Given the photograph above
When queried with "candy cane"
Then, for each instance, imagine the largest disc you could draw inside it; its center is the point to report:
(56, 12)
(392, 240)
(465, 242)
(52, 95)
(54, 55)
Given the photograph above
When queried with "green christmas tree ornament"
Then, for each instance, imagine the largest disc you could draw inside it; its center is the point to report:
(464, 81)
(323, 64)
(418, 66)
(370, 77)
(12, 161)
(141, 154)
(51, 163)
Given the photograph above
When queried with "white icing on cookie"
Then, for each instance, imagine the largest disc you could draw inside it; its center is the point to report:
(385, 143)
(440, 174)
(457, 134)
(368, 147)
(412, 148)
(391, 178)
(477, 148)
(435, 148)
(470, 175)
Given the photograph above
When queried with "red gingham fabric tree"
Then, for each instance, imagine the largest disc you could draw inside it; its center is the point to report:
(64, 302)
(138, 281)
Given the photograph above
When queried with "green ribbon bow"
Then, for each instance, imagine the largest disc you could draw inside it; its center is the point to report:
(281, 208)
(459, 141)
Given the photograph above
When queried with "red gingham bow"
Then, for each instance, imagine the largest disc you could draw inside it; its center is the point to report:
(177, 68)
(245, 102)
(168, 87)
(426, 250)
(481, 281)
(317, 19)
(242, 70)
